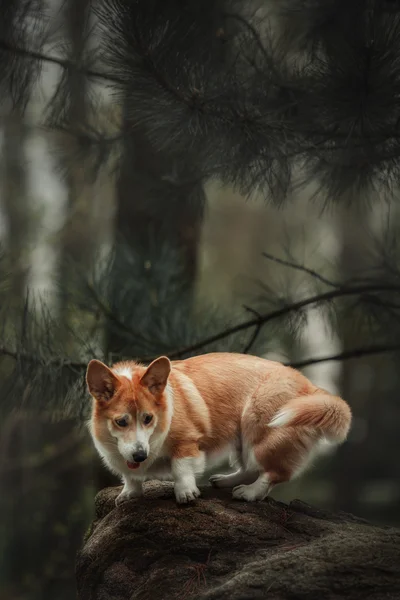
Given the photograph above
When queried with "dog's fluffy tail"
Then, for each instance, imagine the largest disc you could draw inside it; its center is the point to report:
(329, 415)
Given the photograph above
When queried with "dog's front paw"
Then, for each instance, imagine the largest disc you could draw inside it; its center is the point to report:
(184, 494)
(124, 496)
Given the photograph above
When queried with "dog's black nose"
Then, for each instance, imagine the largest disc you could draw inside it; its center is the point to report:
(139, 456)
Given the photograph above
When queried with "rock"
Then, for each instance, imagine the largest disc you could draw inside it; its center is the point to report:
(219, 548)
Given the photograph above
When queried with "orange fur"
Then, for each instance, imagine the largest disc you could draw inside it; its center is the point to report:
(270, 416)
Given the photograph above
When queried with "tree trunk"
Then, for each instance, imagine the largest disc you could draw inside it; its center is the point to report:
(76, 238)
(16, 208)
(368, 384)
(160, 205)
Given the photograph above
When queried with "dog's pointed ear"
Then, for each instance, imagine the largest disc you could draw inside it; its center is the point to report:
(101, 381)
(156, 376)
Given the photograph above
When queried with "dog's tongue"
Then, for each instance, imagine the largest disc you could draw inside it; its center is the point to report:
(133, 465)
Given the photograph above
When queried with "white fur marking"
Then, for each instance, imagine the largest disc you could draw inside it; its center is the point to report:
(143, 435)
(157, 442)
(132, 489)
(124, 371)
(194, 397)
(249, 460)
(283, 417)
(184, 472)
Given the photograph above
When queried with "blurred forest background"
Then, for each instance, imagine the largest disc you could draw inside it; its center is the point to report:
(121, 235)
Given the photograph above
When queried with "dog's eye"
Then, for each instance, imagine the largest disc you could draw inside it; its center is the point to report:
(121, 422)
(147, 419)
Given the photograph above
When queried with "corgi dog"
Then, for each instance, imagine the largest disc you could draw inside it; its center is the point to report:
(176, 420)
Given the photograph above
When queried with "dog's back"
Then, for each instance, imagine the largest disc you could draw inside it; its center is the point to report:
(281, 420)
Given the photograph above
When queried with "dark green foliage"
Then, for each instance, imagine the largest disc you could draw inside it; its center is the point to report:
(151, 312)
(246, 95)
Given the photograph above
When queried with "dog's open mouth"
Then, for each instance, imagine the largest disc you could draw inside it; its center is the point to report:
(133, 465)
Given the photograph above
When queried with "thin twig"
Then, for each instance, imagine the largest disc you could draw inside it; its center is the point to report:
(346, 355)
(291, 265)
(257, 330)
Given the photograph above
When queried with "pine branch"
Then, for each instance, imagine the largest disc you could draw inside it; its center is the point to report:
(256, 333)
(59, 363)
(361, 290)
(284, 311)
(109, 314)
(65, 64)
(301, 268)
(341, 356)
(346, 355)
(213, 86)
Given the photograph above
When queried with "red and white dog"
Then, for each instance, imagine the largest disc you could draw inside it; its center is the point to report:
(175, 420)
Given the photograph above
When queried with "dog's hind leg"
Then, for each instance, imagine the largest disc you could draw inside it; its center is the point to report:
(232, 479)
(257, 490)
(280, 456)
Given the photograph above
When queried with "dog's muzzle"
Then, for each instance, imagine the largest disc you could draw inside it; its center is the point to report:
(139, 456)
